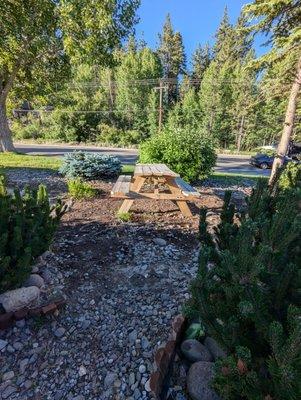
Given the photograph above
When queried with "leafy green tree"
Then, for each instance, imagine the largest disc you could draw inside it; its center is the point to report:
(133, 94)
(38, 35)
(244, 94)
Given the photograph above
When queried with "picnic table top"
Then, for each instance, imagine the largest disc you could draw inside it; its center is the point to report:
(154, 170)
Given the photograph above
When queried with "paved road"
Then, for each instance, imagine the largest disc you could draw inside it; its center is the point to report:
(225, 162)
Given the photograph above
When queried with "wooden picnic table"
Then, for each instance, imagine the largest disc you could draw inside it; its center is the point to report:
(130, 188)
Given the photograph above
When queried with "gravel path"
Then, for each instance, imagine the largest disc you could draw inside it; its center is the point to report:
(124, 283)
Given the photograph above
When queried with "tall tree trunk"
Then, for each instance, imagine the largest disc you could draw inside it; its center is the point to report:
(6, 143)
(288, 124)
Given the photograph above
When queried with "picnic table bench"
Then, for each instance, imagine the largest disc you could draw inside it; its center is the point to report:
(129, 188)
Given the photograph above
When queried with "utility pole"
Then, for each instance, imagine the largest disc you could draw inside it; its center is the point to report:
(161, 88)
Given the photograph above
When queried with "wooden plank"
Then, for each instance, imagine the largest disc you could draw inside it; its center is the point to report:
(153, 196)
(127, 204)
(167, 171)
(182, 204)
(186, 189)
(125, 207)
(153, 170)
(122, 185)
(138, 169)
(185, 210)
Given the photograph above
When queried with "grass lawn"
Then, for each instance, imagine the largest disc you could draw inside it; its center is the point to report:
(17, 160)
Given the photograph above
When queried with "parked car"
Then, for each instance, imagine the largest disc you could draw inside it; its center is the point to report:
(265, 161)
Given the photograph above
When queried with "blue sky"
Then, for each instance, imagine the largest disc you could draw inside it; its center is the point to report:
(197, 20)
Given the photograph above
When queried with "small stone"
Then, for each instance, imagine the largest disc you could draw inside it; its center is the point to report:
(8, 391)
(59, 332)
(7, 376)
(133, 337)
(20, 323)
(3, 344)
(35, 269)
(142, 369)
(117, 383)
(82, 371)
(199, 378)
(132, 378)
(34, 280)
(109, 379)
(144, 343)
(147, 386)
(23, 364)
(160, 241)
(194, 351)
(28, 384)
(18, 345)
(137, 394)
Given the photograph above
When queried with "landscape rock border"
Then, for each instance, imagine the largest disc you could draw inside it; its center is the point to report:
(164, 357)
(8, 319)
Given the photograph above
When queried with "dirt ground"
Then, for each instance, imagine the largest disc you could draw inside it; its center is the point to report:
(124, 281)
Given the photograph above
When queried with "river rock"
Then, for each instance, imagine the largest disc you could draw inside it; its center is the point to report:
(214, 348)
(160, 241)
(199, 377)
(194, 351)
(34, 280)
(16, 299)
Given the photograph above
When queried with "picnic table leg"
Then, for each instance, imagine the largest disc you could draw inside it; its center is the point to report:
(182, 204)
(136, 187)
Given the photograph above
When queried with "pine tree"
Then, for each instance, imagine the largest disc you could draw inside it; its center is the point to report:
(200, 62)
(172, 55)
(222, 87)
(27, 226)
(247, 294)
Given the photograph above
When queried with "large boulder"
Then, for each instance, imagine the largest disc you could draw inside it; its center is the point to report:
(199, 377)
(194, 351)
(34, 280)
(214, 348)
(14, 300)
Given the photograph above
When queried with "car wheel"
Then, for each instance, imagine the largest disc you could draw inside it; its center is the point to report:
(264, 165)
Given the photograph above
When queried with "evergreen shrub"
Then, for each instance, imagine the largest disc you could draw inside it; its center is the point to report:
(88, 166)
(247, 294)
(184, 150)
(27, 226)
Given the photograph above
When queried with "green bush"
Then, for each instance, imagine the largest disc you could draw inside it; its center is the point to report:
(290, 176)
(108, 134)
(88, 166)
(247, 294)
(125, 217)
(33, 130)
(184, 151)
(27, 226)
(112, 135)
(81, 190)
